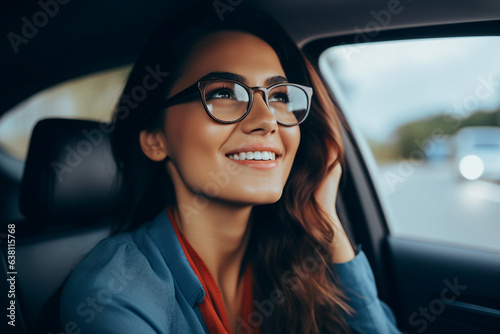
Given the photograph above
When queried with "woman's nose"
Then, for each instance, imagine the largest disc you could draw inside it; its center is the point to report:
(260, 118)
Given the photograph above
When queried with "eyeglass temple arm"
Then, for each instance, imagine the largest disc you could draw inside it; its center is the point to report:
(182, 96)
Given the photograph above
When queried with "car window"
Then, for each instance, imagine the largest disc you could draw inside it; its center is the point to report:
(91, 97)
(426, 115)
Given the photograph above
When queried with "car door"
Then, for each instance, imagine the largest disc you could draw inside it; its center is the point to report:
(429, 220)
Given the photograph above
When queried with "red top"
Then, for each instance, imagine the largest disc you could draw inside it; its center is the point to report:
(212, 306)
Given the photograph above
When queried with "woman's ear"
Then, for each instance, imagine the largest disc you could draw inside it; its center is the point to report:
(153, 145)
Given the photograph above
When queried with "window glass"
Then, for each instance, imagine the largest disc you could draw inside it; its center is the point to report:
(91, 97)
(426, 114)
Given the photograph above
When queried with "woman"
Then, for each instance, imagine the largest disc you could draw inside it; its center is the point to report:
(230, 152)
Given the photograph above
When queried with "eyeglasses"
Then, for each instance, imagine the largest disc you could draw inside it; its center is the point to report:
(229, 101)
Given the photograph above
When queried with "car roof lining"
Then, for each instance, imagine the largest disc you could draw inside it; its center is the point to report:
(67, 46)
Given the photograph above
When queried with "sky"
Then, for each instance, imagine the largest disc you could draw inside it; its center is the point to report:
(383, 85)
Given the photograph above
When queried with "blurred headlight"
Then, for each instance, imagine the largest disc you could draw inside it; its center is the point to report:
(471, 167)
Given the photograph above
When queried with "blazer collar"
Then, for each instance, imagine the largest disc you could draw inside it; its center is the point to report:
(164, 236)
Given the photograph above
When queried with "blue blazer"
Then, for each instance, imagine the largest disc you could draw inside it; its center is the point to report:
(141, 282)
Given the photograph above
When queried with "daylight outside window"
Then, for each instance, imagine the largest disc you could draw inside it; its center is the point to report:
(426, 114)
(92, 97)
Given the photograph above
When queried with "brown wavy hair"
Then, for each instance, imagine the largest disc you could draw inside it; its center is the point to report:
(290, 255)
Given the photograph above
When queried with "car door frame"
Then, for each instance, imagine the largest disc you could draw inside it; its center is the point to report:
(415, 277)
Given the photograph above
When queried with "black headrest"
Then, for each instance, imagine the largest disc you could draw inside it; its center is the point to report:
(70, 172)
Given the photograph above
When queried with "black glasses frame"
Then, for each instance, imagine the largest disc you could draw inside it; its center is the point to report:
(186, 95)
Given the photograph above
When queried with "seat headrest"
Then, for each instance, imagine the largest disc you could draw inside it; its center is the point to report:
(70, 172)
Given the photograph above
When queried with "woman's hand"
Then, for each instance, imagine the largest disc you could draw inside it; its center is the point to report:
(326, 196)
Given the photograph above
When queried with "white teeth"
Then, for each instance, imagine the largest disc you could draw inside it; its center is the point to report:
(254, 155)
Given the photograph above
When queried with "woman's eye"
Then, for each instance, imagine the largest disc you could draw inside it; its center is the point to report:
(222, 93)
(279, 97)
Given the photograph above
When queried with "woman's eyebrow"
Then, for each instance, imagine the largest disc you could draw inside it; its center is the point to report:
(237, 77)
(275, 80)
(225, 76)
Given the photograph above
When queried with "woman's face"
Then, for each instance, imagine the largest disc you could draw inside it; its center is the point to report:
(202, 150)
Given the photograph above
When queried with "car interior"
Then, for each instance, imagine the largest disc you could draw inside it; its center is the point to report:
(58, 200)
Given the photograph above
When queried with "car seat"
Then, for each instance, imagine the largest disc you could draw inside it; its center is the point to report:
(69, 194)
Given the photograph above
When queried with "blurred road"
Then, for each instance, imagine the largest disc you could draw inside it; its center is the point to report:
(429, 201)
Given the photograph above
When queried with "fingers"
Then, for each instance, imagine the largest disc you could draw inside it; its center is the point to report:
(333, 153)
(337, 170)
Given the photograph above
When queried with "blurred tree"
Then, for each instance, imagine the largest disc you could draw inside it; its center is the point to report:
(411, 135)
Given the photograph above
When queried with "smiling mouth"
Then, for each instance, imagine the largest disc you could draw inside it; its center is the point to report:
(253, 155)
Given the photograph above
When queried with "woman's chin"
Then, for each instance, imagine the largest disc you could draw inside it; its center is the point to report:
(257, 198)
(268, 200)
